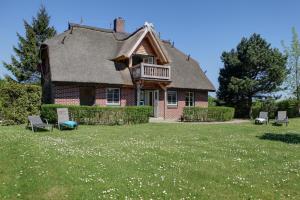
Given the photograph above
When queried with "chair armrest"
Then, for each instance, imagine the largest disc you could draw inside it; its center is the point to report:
(44, 119)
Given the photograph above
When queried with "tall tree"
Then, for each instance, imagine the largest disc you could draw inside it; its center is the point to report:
(293, 54)
(26, 59)
(252, 69)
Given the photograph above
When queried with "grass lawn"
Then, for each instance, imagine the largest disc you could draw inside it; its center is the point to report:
(158, 161)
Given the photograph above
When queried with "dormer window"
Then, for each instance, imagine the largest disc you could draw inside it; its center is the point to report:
(139, 58)
(149, 60)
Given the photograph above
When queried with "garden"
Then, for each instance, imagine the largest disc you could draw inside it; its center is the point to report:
(151, 161)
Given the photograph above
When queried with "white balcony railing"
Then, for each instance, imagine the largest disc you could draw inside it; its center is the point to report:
(151, 71)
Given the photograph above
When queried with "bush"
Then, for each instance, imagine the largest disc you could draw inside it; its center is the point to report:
(272, 107)
(99, 115)
(291, 106)
(18, 101)
(217, 113)
(268, 105)
(212, 101)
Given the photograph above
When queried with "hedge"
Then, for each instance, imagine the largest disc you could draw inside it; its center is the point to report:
(99, 115)
(216, 113)
(18, 101)
(292, 107)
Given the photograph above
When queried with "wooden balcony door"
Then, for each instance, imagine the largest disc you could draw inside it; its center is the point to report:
(151, 98)
(155, 103)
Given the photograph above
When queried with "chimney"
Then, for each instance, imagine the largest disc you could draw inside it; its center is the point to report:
(119, 25)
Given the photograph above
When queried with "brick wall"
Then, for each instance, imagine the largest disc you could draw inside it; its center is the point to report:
(175, 112)
(66, 95)
(127, 96)
(69, 95)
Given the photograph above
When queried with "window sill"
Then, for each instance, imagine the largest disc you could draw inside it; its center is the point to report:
(108, 104)
(172, 106)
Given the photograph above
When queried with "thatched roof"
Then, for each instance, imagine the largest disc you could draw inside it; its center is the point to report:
(86, 54)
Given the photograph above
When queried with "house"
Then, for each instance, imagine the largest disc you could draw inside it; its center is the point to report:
(95, 66)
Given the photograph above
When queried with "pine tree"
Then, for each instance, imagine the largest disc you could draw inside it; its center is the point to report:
(253, 68)
(26, 59)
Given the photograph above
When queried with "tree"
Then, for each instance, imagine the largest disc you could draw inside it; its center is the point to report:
(293, 62)
(26, 59)
(252, 69)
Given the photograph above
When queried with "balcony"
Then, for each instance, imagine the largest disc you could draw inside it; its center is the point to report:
(150, 71)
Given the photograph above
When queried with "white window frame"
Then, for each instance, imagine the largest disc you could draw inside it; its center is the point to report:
(113, 103)
(170, 92)
(148, 57)
(190, 95)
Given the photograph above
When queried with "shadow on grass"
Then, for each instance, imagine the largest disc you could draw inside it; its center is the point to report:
(291, 138)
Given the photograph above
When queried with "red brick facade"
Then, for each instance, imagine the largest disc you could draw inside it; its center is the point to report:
(69, 95)
(66, 95)
(175, 112)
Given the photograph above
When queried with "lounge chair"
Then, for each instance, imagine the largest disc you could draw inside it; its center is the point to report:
(262, 118)
(63, 120)
(37, 123)
(282, 118)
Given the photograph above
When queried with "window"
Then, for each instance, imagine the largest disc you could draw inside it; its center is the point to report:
(189, 99)
(142, 98)
(172, 98)
(87, 96)
(149, 60)
(113, 96)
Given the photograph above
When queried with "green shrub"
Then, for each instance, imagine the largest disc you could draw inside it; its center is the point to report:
(18, 101)
(212, 101)
(268, 105)
(216, 113)
(291, 106)
(272, 107)
(99, 115)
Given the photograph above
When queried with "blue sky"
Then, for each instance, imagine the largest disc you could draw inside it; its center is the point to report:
(203, 29)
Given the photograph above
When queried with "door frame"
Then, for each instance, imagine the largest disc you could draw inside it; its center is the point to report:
(156, 103)
(154, 99)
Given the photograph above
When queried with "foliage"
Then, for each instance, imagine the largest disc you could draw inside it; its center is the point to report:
(216, 113)
(99, 115)
(212, 101)
(252, 68)
(24, 65)
(268, 105)
(293, 54)
(18, 101)
(292, 107)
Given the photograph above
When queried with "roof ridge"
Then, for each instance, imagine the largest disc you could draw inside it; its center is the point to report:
(90, 27)
(130, 34)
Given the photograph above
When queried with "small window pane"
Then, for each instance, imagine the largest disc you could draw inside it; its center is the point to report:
(172, 98)
(113, 96)
(189, 99)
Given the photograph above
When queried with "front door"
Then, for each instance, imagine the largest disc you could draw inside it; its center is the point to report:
(155, 103)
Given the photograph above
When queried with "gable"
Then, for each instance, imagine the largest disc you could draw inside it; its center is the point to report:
(145, 48)
(146, 41)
